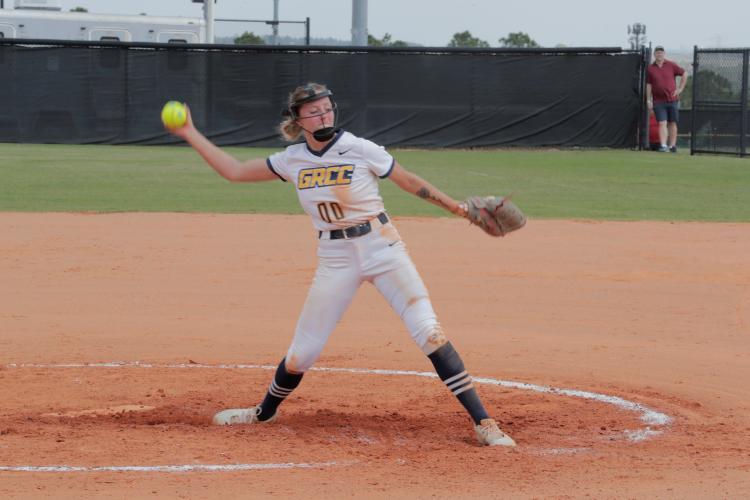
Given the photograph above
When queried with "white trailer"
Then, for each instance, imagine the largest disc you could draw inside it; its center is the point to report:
(43, 19)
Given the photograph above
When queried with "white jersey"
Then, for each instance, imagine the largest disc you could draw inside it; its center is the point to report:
(337, 186)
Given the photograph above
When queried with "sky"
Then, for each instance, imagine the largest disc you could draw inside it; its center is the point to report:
(575, 23)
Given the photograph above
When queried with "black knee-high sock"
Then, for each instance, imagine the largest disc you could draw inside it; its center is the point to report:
(282, 385)
(451, 371)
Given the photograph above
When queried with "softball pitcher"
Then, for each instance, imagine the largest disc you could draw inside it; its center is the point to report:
(336, 176)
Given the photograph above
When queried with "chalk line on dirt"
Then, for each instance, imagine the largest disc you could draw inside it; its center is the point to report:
(167, 468)
(647, 415)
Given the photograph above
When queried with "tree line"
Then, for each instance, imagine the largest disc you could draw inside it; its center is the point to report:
(518, 39)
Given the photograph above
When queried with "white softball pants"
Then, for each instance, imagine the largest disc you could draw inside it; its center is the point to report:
(379, 257)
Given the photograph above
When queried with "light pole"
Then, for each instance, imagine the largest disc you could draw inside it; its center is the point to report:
(359, 22)
(275, 40)
(208, 12)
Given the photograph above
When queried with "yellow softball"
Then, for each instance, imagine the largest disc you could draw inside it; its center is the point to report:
(174, 115)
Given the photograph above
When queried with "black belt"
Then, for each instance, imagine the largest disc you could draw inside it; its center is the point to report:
(355, 231)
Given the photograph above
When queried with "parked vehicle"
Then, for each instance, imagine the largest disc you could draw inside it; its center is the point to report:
(44, 19)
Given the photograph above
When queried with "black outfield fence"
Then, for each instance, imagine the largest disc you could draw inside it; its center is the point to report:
(112, 93)
(720, 117)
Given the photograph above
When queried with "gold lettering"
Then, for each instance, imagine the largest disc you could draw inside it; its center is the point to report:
(345, 175)
(325, 176)
(318, 177)
(331, 173)
(304, 179)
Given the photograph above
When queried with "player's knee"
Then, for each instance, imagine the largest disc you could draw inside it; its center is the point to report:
(415, 306)
(435, 339)
(415, 299)
(430, 336)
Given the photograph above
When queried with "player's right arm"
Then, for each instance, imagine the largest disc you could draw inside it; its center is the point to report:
(414, 184)
(226, 165)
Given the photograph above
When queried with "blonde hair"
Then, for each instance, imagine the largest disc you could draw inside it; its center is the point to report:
(289, 128)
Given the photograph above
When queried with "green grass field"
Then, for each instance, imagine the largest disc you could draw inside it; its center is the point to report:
(587, 184)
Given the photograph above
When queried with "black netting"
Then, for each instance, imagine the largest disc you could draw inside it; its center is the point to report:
(720, 121)
(112, 94)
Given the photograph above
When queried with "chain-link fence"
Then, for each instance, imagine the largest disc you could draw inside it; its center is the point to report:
(720, 121)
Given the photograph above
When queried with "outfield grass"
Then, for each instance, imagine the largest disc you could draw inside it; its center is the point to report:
(599, 184)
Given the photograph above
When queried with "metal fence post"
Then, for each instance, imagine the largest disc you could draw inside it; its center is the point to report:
(743, 106)
(643, 142)
(125, 131)
(695, 100)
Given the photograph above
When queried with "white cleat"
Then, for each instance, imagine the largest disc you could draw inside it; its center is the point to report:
(241, 416)
(489, 434)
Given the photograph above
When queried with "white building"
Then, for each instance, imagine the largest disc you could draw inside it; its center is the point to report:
(44, 19)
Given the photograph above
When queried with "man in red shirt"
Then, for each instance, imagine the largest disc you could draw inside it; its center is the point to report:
(664, 97)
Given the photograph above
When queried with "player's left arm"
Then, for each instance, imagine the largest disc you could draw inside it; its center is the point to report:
(414, 184)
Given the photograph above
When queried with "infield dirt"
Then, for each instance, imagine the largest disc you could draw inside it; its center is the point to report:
(653, 312)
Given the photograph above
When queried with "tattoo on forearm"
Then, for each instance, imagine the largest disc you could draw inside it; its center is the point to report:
(425, 194)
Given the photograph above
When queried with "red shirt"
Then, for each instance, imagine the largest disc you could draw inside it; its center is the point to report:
(662, 80)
